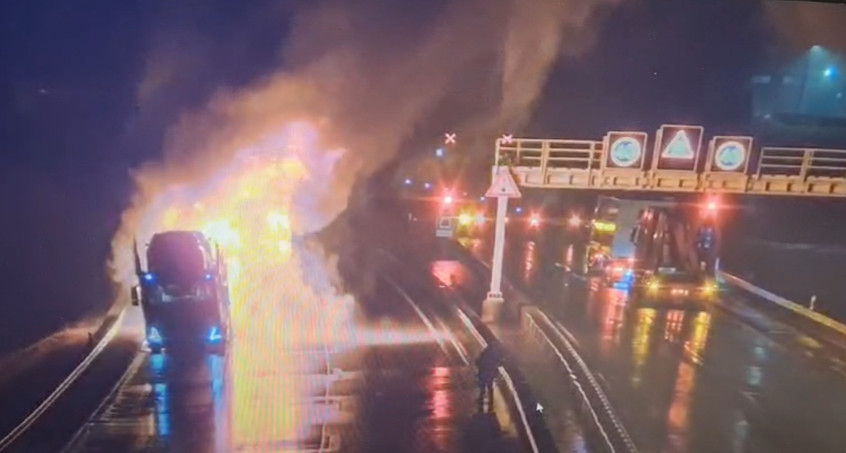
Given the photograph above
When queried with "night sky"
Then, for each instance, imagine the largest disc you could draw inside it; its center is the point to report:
(88, 90)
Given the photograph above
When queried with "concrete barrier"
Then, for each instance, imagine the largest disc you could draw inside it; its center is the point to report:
(606, 432)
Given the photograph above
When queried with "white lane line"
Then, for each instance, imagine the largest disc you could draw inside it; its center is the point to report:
(573, 377)
(130, 371)
(455, 344)
(420, 313)
(478, 336)
(63, 386)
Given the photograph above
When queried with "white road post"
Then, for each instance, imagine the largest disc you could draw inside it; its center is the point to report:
(498, 249)
(502, 188)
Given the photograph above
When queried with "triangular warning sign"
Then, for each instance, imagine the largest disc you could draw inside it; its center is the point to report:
(503, 185)
(679, 147)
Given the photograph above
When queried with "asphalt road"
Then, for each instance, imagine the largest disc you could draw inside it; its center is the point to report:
(692, 378)
(393, 386)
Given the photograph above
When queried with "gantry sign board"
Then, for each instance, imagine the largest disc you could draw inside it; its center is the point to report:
(626, 150)
(729, 154)
(677, 147)
(677, 158)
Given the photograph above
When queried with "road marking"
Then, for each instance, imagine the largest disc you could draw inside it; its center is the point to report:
(458, 347)
(575, 380)
(475, 333)
(420, 313)
(104, 404)
(15, 433)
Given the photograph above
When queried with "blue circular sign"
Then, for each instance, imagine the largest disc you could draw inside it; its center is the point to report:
(730, 156)
(625, 151)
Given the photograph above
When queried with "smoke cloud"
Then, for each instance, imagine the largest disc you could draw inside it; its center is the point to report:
(259, 167)
(364, 76)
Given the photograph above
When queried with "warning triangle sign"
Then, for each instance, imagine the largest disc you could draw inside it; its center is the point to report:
(503, 185)
(679, 147)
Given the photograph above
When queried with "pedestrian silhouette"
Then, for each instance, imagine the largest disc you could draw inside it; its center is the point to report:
(487, 364)
(90, 340)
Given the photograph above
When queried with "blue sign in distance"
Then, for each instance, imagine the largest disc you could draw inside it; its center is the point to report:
(626, 151)
(730, 156)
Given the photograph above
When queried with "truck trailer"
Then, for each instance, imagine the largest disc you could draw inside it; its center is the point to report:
(183, 293)
(655, 249)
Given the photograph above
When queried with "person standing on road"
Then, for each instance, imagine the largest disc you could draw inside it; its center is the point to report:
(487, 364)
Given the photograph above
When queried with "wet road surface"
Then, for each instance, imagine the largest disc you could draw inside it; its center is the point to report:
(689, 378)
(393, 389)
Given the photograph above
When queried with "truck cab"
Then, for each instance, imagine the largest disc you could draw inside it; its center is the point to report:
(183, 293)
(674, 286)
(676, 248)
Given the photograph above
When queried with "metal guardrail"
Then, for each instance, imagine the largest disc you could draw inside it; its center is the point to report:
(583, 164)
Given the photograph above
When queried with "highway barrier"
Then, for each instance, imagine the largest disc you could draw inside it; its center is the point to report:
(809, 321)
(606, 429)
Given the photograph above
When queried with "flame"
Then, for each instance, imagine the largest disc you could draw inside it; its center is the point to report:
(281, 287)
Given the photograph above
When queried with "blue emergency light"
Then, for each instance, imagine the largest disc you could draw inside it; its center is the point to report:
(214, 335)
(154, 337)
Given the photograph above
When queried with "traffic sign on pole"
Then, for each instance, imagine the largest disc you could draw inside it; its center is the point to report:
(503, 185)
(502, 188)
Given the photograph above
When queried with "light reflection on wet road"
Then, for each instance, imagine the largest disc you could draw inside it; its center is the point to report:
(392, 389)
(687, 379)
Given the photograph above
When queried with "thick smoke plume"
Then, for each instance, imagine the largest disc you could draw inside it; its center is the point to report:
(260, 167)
(365, 75)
